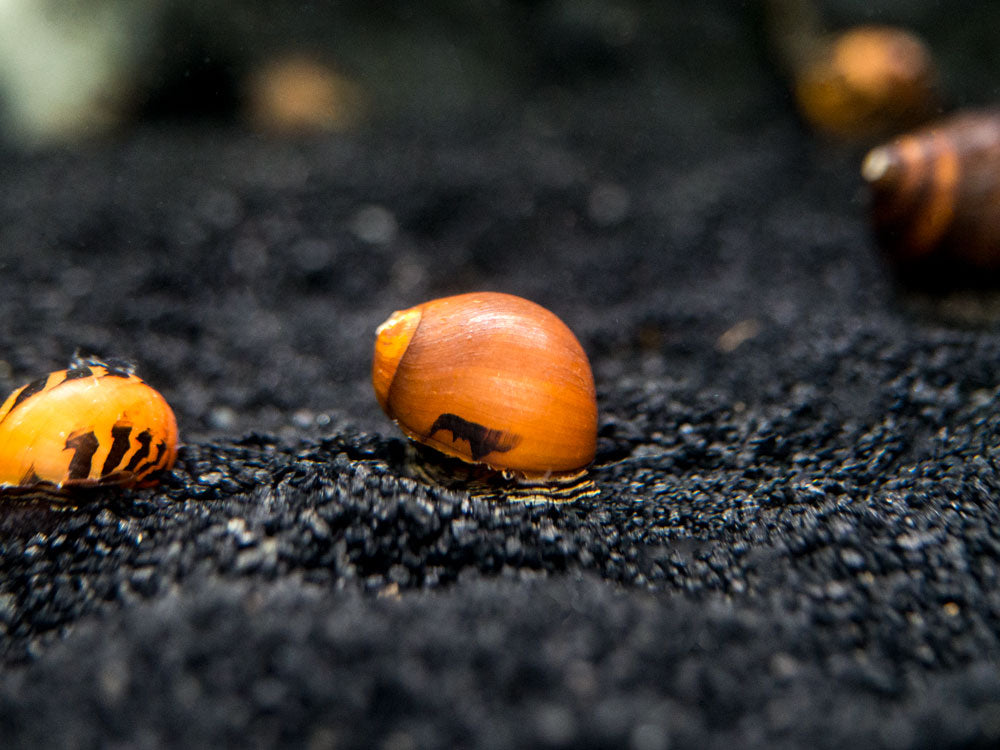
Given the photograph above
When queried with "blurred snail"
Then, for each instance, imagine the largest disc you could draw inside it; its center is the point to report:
(490, 379)
(297, 94)
(936, 192)
(860, 84)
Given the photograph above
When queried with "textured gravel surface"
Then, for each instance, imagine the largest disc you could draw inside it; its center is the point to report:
(797, 539)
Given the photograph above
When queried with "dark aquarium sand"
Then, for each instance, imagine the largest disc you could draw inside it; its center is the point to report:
(797, 537)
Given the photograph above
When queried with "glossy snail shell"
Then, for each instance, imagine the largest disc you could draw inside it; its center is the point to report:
(489, 378)
(936, 192)
(89, 425)
(867, 82)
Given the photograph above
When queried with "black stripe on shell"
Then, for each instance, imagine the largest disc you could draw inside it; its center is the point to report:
(84, 446)
(144, 438)
(77, 373)
(119, 447)
(154, 463)
(28, 391)
(482, 440)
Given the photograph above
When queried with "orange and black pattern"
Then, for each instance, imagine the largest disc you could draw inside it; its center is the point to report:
(92, 424)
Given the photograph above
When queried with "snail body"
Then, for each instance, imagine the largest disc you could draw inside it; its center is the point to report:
(936, 192)
(491, 379)
(92, 424)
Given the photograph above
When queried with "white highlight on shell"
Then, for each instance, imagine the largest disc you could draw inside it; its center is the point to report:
(876, 164)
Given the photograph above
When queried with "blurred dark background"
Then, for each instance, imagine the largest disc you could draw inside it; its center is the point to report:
(73, 68)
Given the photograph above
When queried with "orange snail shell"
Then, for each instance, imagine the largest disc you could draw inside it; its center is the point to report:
(867, 82)
(86, 426)
(936, 191)
(489, 378)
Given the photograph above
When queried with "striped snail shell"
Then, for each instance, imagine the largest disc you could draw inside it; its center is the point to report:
(92, 424)
(492, 379)
(936, 192)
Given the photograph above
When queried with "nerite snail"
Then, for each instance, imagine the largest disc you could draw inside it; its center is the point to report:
(858, 84)
(490, 379)
(93, 424)
(936, 192)
(867, 82)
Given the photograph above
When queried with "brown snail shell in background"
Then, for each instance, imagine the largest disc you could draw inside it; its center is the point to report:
(489, 378)
(867, 82)
(936, 192)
